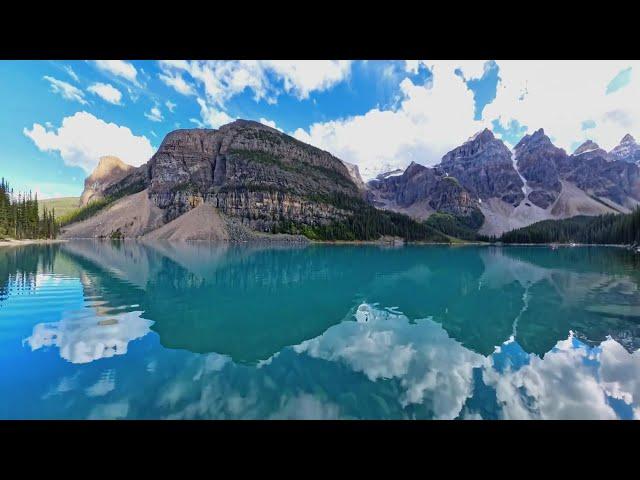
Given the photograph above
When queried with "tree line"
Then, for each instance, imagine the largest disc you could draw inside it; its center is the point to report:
(365, 222)
(621, 229)
(20, 217)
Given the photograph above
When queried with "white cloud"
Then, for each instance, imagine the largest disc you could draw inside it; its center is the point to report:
(107, 92)
(133, 94)
(119, 68)
(170, 105)
(221, 80)
(177, 82)
(211, 116)
(431, 367)
(269, 123)
(429, 121)
(68, 91)
(105, 384)
(83, 139)
(471, 69)
(85, 340)
(71, 72)
(155, 115)
(560, 95)
(301, 77)
(563, 384)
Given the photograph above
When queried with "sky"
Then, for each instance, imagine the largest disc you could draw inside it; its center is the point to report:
(59, 117)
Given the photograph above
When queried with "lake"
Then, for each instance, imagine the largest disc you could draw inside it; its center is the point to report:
(123, 330)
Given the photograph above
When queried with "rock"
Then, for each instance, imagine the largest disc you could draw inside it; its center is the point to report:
(420, 191)
(603, 176)
(627, 151)
(484, 167)
(589, 150)
(354, 173)
(536, 159)
(109, 171)
(246, 170)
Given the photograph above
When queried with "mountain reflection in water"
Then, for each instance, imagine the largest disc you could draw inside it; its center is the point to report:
(127, 330)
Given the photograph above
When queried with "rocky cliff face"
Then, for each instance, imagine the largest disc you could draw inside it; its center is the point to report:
(421, 191)
(590, 168)
(536, 158)
(354, 173)
(590, 149)
(601, 175)
(109, 171)
(484, 167)
(543, 182)
(627, 151)
(480, 169)
(247, 170)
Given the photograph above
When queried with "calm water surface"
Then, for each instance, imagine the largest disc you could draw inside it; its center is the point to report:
(96, 330)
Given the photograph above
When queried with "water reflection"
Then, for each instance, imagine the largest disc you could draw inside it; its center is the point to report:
(85, 339)
(204, 331)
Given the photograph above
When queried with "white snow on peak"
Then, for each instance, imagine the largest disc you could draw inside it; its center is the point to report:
(587, 151)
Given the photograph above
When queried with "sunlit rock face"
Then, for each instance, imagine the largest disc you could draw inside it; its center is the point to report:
(109, 171)
(247, 170)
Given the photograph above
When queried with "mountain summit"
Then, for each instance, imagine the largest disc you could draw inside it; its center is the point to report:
(628, 150)
(109, 170)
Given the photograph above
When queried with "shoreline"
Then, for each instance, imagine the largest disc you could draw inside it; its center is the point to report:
(298, 241)
(36, 241)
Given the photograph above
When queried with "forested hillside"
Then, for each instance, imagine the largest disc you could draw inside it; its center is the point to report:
(20, 217)
(603, 229)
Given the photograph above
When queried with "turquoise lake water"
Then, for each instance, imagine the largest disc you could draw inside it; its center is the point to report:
(96, 330)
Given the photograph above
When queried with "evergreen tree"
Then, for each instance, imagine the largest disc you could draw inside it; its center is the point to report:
(620, 229)
(20, 217)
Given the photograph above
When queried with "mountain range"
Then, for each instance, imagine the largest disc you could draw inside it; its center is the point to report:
(246, 179)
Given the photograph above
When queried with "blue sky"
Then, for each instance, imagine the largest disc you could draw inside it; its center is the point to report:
(59, 117)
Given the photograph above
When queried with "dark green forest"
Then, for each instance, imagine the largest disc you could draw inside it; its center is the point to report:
(621, 229)
(20, 218)
(364, 223)
(458, 227)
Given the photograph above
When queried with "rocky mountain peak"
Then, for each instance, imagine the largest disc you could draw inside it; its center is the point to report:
(628, 150)
(484, 167)
(109, 170)
(109, 165)
(587, 146)
(483, 144)
(627, 139)
(536, 140)
(414, 168)
(483, 136)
